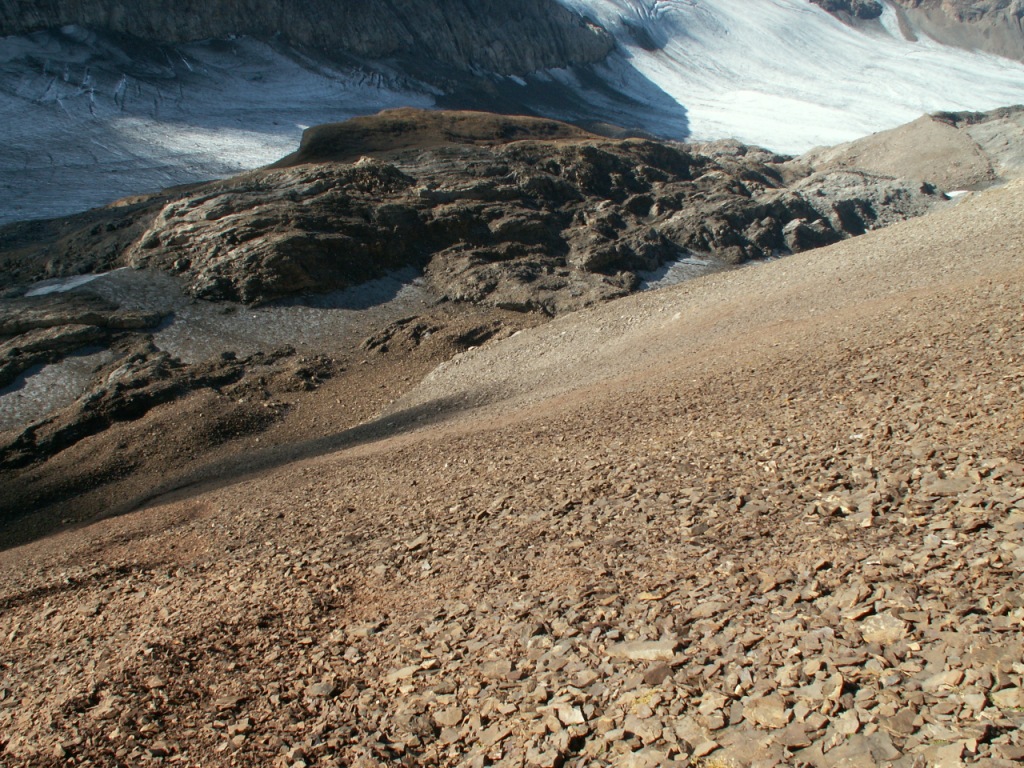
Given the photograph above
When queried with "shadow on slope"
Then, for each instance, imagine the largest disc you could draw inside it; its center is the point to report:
(611, 98)
(19, 525)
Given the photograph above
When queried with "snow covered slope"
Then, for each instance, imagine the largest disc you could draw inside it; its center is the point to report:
(89, 118)
(787, 75)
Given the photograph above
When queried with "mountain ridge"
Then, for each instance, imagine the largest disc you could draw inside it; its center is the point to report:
(458, 33)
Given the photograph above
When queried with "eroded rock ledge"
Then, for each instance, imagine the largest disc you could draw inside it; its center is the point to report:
(516, 213)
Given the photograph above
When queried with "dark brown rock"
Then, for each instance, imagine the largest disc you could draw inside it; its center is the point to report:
(858, 9)
(493, 35)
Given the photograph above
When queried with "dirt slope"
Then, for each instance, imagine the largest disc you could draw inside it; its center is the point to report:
(774, 516)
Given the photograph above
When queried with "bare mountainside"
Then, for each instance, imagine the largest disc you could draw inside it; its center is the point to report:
(994, 26)
(772, 516)
(398, 239)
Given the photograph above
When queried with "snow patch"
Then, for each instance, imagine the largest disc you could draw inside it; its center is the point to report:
(61, 284)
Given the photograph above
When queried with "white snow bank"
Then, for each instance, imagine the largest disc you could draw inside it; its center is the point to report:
(786, 75)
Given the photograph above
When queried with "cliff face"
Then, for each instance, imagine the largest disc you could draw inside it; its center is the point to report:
(490, 34)
(993, 26)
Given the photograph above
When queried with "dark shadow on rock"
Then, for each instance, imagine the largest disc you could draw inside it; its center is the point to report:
(612, 97)
(366, 295)
(233, 470)
(19, 527)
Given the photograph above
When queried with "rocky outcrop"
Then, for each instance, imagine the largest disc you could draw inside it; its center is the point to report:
(550, 225)
(144, 378)
(993, 26)
(478, 34)
(510, 212)
(39, 330)
(858, 9)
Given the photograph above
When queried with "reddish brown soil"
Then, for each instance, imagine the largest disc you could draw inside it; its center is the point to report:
(775, 516)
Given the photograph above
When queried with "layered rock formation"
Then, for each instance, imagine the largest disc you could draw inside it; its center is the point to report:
(487, 34)
(553, 220)
(992, 26)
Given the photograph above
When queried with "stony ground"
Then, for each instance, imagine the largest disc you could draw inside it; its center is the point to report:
(772, 517)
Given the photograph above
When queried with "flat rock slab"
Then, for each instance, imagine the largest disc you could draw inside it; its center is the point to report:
(658, 650)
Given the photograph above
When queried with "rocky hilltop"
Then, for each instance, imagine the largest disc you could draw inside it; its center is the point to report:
(514, 212)
(954, 150)
(857, 9)
(482, 34)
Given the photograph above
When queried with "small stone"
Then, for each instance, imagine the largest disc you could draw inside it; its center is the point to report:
(91, 609)
(153, 682)
(709, 609)
(933, 485)
(657, 674)
(648, 730)
(947, 756)
(496, 733)
(448, 718)
(768, 711)
(225, 703)
(322, 690)
(705, 748)
(160, 749)
(847, 723)
(570, 715)
(496, 670)
(884, 629)
(902, 723)
(401, 674)
(1009, 698)
(861, 750)
(658, 650)
(1013, 752)
(834, 687)
(943, 681)
(795, 737)
(715, 721)
(645, 758)
(416, 543)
